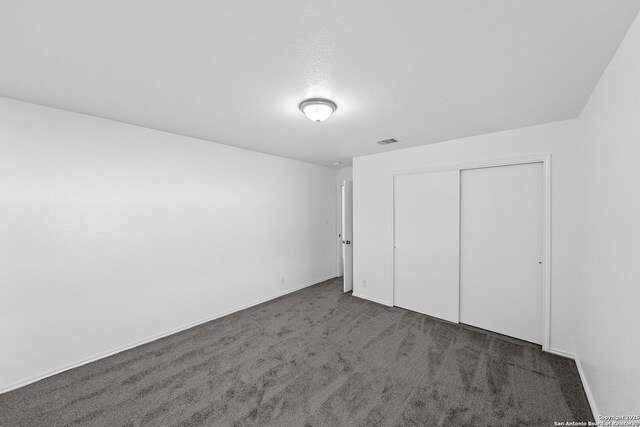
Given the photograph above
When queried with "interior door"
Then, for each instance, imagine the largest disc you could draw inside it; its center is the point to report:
(347, 234)
(339, 245)
(501, 250)
(426, 243)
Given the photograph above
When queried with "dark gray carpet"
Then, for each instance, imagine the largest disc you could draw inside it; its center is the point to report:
(314, 357)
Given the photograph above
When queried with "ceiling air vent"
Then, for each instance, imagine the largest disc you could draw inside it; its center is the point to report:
(387, 141)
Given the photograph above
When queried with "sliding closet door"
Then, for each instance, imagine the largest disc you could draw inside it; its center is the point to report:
(501, 226)
(426, 243)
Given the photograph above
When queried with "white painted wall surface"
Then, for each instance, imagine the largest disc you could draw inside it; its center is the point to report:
(111, 234)
(608, 295)
(373, 204)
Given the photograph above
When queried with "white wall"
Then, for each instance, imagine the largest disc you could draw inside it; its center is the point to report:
(373, 207)
(112, 234)
(609, 287)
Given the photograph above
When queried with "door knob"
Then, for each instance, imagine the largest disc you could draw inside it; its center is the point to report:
(348, 242)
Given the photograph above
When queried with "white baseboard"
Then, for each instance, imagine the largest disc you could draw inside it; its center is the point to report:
(587, 390)
(583, 378)
(562, 353)
(39, 377)
(379, 301)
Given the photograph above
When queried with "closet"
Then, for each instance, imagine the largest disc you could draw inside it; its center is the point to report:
(468, 247)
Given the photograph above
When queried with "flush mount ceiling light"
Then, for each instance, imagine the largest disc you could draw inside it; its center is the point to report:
(317, 109)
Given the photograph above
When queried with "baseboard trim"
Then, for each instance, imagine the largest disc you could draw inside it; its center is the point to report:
(562, 353)
(587, 390)
(39, 377)
(583, 378)
(378, 301)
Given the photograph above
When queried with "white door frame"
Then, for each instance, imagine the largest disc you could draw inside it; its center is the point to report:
(339, 249)
(347, 235)
(545, 159)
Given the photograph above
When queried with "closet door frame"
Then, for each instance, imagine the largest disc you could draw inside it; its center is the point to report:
(545, 159)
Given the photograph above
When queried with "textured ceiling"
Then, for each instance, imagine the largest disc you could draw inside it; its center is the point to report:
(234, 71)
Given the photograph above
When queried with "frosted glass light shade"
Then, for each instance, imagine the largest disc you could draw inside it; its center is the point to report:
(317, 109)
